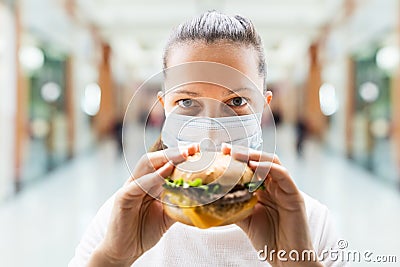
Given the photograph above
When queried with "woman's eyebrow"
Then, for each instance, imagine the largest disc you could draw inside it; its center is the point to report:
(236, 91)
(185, 92)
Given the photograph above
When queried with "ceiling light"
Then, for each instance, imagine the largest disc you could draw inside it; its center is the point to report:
(388, 57)
(91, 99)
(369, 92)
(328, 100)
(31, 58)
(50, 92)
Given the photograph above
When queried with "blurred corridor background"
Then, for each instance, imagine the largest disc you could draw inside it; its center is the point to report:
(68, 69)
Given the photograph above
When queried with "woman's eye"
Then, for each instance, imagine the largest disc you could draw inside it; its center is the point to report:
(237, 102)
(185, 103)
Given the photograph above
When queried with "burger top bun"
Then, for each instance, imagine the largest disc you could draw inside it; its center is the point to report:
(213, 167)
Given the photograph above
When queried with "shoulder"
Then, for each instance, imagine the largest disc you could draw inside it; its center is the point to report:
(314, 207)
(322, 229)
(318, 215)
(319, 220)
(93, 235)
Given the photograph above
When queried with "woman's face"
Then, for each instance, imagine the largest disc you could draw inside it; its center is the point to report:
(211, 100)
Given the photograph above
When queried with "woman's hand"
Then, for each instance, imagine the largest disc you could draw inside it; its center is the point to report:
(279, 220)
(138, 220)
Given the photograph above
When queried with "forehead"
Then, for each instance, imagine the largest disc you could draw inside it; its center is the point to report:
(237, 56)
(203, 75)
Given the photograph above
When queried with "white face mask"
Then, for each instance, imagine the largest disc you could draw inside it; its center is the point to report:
(181, 130)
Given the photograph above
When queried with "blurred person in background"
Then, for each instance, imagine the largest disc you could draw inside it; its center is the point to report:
(117, 132)
(301, 134)
(131, 228)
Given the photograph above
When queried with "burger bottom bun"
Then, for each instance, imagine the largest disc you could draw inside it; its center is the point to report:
(208, 215)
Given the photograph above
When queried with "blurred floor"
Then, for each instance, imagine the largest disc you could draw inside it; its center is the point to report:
(42, 225)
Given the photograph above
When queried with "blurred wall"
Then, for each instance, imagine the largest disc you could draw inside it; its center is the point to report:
(362, 128)
(53, 46)
(7, 99)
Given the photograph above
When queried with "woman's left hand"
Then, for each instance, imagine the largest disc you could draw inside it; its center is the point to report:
(279, 219)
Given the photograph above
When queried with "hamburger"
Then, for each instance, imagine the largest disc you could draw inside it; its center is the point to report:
(209, 189)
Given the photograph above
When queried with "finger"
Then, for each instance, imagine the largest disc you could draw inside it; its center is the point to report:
(277, 174)
(193, 149)
(146, 184)
(226, 148)
(154, 179)
(168, 220)
(154, 160)
(244, 224)
(175, 155)
(245, 154)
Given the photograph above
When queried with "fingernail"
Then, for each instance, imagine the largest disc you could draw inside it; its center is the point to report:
(226, 145)
(252, 162)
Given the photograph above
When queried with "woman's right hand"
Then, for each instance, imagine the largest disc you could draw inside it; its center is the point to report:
(138, 220)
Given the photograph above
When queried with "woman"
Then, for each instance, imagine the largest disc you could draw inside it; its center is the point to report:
(131, 229)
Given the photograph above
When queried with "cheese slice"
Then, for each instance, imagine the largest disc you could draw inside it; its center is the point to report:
(202, 221)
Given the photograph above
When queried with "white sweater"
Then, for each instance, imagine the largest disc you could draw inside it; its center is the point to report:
(184, 245)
